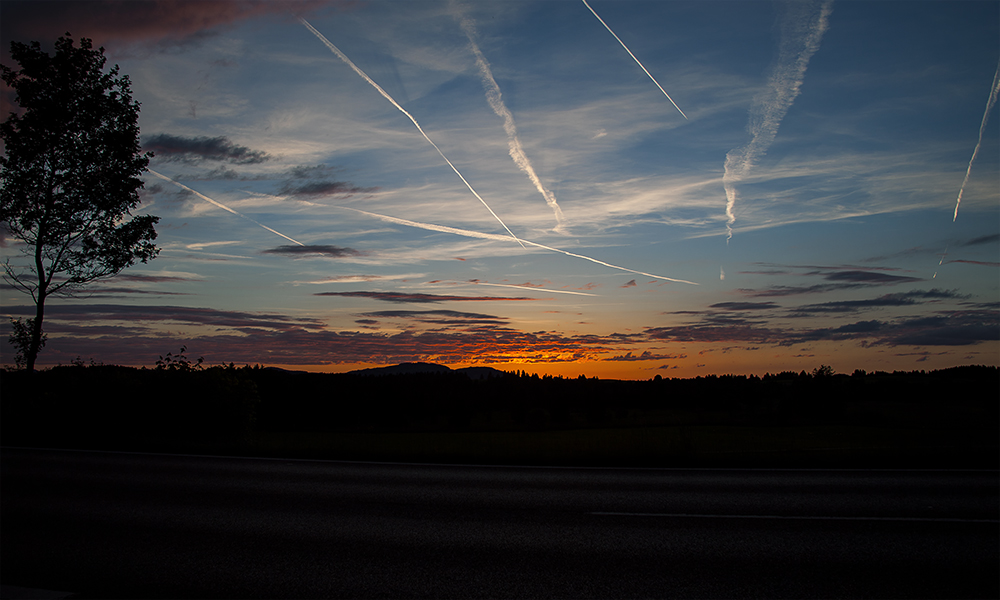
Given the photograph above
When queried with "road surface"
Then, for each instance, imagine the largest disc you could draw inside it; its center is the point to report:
(132, 525)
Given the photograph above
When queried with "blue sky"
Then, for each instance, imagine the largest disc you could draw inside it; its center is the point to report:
(317, 228)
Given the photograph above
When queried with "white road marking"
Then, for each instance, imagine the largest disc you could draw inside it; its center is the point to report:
(794, 517)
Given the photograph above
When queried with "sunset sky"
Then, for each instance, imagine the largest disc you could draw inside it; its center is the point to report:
(503, 184)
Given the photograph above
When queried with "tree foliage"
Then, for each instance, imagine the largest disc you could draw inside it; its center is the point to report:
(70, 176)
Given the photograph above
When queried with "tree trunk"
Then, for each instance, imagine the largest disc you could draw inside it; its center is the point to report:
(35, 346)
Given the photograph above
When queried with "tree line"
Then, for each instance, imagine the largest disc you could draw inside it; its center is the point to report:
(182, 400)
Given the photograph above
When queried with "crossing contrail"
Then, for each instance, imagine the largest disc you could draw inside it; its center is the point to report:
(385, 95)
(986, 116)
(636, 60)
(501, 238)
(495, 99)
(223, 206)
(802, 29)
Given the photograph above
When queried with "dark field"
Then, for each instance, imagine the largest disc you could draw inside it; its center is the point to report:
(940, 419)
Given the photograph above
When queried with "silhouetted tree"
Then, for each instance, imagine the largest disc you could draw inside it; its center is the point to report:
(70, 177)
(823, 371)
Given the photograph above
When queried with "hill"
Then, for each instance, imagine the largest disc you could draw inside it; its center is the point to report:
(421, 368)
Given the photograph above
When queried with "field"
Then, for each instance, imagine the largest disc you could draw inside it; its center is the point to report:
(941, 419)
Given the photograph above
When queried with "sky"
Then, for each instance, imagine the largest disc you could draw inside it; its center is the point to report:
(609, 188)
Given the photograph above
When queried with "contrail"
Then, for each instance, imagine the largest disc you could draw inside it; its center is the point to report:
(986, 116)
(495, 99)
(501, 238)
(385, 95)
(540, 289)
(636, 60)
(802, 29)
(223, 206)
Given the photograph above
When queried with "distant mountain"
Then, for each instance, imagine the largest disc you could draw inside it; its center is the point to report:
(403, 369)
(420, 367)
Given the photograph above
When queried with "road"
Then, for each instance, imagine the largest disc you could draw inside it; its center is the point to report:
(144, 525)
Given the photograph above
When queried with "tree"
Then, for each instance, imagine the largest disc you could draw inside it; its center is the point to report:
(70, 177)
(822, 371)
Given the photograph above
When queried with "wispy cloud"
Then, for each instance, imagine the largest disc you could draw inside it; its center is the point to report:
(801, 29)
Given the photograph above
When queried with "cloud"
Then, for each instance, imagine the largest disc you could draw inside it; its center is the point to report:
(981, 263)
(710, 332)
(440, 317)
(140, 278)
(419, 298)
(869, 277)
(181, 314)
(972, 325)
(646, 355)
(786, 290)
(959, 328)
(983, 239)
(118, 292)
(744, 305)
(900, 299)
(849, 331)
(347, 279)
(197, 149)
(321, 250)
(123, 23)
(844, 280)
(323, 188)
(286, 340)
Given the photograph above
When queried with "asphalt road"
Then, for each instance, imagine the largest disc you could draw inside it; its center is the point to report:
(141, 525)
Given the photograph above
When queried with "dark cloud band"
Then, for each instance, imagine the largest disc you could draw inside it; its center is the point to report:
(197, 149)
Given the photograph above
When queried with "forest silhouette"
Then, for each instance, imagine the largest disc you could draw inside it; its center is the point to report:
(430, 413)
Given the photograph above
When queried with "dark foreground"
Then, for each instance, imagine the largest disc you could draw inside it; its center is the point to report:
(139, 525)
(940, 419)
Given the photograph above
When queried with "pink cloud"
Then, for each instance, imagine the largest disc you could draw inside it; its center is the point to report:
(114, 23)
